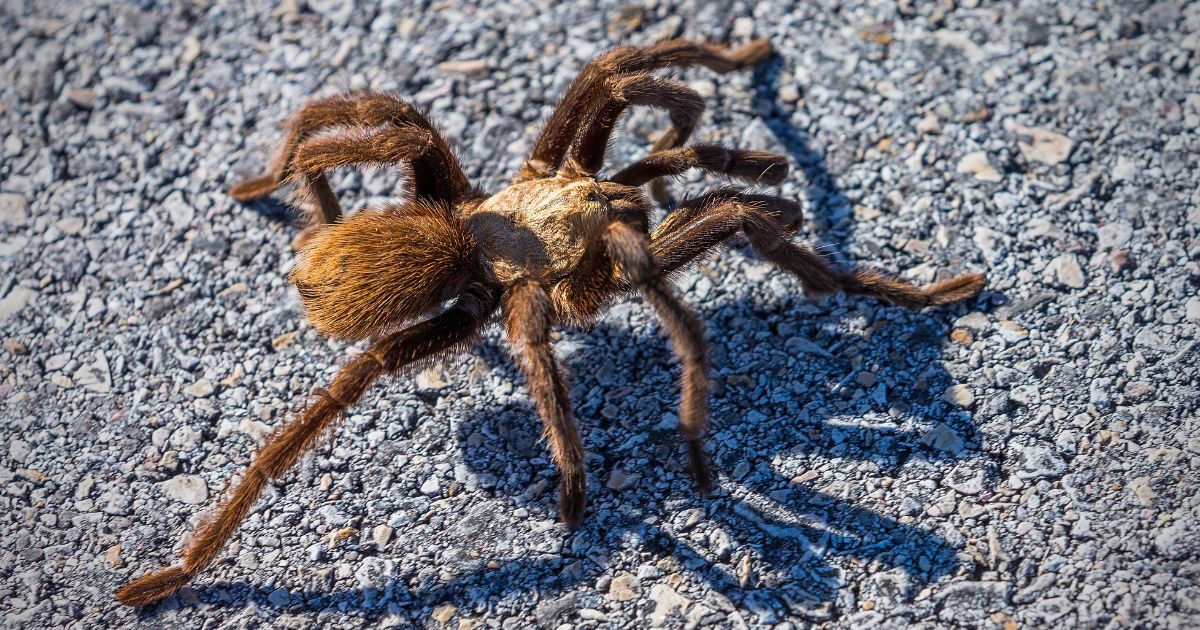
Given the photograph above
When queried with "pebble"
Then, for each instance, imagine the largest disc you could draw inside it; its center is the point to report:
(202, 388)
(959, 395)
(187, 488)
(14, 210)
(431, 487)
(667, 601)
(1065, 270)
(1041, 145)
(15, 301)
(624, 588)
(976, 163)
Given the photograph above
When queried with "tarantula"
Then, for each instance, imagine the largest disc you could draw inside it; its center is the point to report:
(556, 246)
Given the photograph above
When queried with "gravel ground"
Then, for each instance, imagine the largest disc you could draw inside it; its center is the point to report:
(1027, 459)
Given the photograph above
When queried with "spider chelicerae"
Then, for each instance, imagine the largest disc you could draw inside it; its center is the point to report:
(556, 246)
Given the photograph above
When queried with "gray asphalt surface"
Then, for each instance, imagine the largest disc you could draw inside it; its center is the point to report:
(1030, 458)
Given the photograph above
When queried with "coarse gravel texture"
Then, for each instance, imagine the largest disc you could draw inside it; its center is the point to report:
(1030, 458)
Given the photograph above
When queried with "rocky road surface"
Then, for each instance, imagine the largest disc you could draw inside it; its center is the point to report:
(1028, 459)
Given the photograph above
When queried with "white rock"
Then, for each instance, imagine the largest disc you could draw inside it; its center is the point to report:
(15, 301)
(624, 588)
(202, 388)
(666, 601)
(959, 395)
(1065, 270)
(1043, 145)
(1114, 235)
(943, 438)
(94, 376)
(977, 164)
(1191, 310)
(431, 486)
(187, 488)
(14, 210)
(432, 377)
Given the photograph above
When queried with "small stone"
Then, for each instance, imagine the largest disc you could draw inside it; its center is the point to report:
(14, 210)
(929, 124)
(977, 164)
(743, 27)
(624, 588)
(1191, 309)
(187, 488)
(113, 555)
(15, 301)
(943, 438)
(375, 573)
(959, 395)
(443, 613)
(279, 597)
(967, 479)
(617, 479)
(1043, 145)
(961, 336)
(16, 348)
(1125, 170)
(284, 341)
(381, 535)
(432, 377)
(976, 322)
(591, 614)
(1065, 270)
(83, 97)
(94, 376)
(191, 50)
(431, 486)
(463, 67)
(1114, 235)
(202, 388)
(666, 601)
(1011, 331)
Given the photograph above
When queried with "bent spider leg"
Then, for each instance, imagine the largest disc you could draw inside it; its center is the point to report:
(381, 145)
(436, 174)
(528, 314)
(683, 104)
(590, 86)
(630, 252)
(701, 223)
(755, 167)
(451, 329)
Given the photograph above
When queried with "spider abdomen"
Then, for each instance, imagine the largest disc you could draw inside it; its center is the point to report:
(381, 267)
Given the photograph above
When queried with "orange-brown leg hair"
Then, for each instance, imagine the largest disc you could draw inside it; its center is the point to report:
(701, 223)
(451, 329)
(376, 146)
(436, 173)
(592, 85)
(528, 314)
(683, 104)
(754, 167)
(629, 250)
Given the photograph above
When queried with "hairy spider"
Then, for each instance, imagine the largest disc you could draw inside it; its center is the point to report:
(555, 246)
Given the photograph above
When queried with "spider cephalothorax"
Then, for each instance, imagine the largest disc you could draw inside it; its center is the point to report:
(555, 246)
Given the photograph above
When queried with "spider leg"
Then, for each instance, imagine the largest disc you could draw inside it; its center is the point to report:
(683, 104)
(384, 144)
(592, 85)
(528, 314)
(436, 173)
(701, 223)
(451, 329)
(750, 166)
(630, 252)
